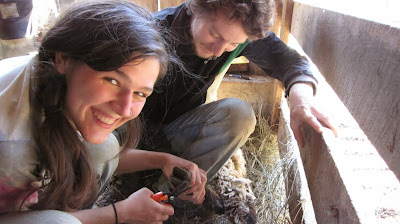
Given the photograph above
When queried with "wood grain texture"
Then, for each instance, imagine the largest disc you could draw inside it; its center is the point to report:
(151, 5)
(170, 3)
(360, 60)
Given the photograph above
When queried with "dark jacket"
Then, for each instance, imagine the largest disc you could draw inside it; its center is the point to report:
(179, 93)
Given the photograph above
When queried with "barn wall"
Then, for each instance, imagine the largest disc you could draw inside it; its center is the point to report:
(360, 60)
(353, 178)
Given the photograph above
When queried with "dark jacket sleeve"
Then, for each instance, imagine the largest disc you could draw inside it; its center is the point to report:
(167, 15)
(280, 61)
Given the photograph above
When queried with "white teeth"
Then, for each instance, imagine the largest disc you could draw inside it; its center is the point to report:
(104, 119)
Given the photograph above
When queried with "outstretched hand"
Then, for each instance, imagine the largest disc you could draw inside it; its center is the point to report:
(198, 181)
(303, 110)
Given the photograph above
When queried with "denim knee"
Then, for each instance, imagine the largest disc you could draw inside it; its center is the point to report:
(240, 115)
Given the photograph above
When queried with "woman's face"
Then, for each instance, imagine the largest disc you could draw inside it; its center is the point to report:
(98, 102)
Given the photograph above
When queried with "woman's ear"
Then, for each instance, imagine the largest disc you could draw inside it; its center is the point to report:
(61, 62)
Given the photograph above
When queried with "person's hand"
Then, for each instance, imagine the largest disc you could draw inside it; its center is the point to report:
(140, 208)
(196, 193)
(198, 181)
(304, 110)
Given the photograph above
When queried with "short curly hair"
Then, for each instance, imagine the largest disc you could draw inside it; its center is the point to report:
(256, 15)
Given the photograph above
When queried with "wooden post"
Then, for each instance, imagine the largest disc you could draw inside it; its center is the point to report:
(170, 3)
(287, 12)
(151, 5)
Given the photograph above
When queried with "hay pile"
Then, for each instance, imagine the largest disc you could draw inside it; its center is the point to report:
(267, 172)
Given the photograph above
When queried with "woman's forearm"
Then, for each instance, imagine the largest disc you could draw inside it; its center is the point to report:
(134, 160)
(96, 215)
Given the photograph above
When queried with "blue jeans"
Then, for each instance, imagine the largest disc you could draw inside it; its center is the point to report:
(209, 134)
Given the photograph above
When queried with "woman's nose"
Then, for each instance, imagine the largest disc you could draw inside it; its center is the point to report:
(123, 104)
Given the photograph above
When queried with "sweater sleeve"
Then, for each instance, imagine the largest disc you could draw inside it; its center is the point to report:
(280, 61)
(20, 174)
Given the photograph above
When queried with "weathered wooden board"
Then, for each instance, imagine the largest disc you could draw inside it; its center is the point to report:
(287, 11)
(301, 209)
(151, 5)
(360, 59)
(170, 3)
(347, 179)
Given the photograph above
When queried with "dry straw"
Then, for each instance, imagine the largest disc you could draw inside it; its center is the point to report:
(268, 172)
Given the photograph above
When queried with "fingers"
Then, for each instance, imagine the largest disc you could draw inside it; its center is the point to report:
(196, 197)
(314, 123)
(194, 170)
(299, 116)
(197, 191)
(161, 212)
(313, 117)
(303, 109)
(326, 120)
(196, 179)
(200, 181)
(165, 211)
(203, 175)
(298, 136)
(141, 208)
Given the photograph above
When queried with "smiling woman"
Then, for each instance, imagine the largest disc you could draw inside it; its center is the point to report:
(94, 70)
(120, 95)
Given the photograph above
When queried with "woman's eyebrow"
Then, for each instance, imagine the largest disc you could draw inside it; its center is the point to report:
(124, 76)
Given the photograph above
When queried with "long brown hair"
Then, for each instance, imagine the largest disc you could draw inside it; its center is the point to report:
(104, 35)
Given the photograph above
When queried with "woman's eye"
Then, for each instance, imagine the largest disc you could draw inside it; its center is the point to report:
(140, 94)
(112, 81)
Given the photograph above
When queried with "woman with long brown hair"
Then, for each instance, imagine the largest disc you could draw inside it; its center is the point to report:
(59, 108)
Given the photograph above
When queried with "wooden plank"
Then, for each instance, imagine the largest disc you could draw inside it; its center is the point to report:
(239, 68)
(151, 5)
(287, 11)
(360, 60)
(347, 179)
(258, 92)
(277, 26)
(278, 90)
(301, 210)
(349, 182)
(170, 3)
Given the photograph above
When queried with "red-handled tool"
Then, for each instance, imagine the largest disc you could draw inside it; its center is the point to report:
(160, 197)
(169, 197)
(179, 175)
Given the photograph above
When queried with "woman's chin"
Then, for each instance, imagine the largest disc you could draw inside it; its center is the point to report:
(96, 139)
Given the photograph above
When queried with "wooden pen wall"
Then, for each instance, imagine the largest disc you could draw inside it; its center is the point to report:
(155, 5)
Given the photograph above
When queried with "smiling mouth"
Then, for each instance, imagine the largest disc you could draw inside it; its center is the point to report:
(104, 119)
